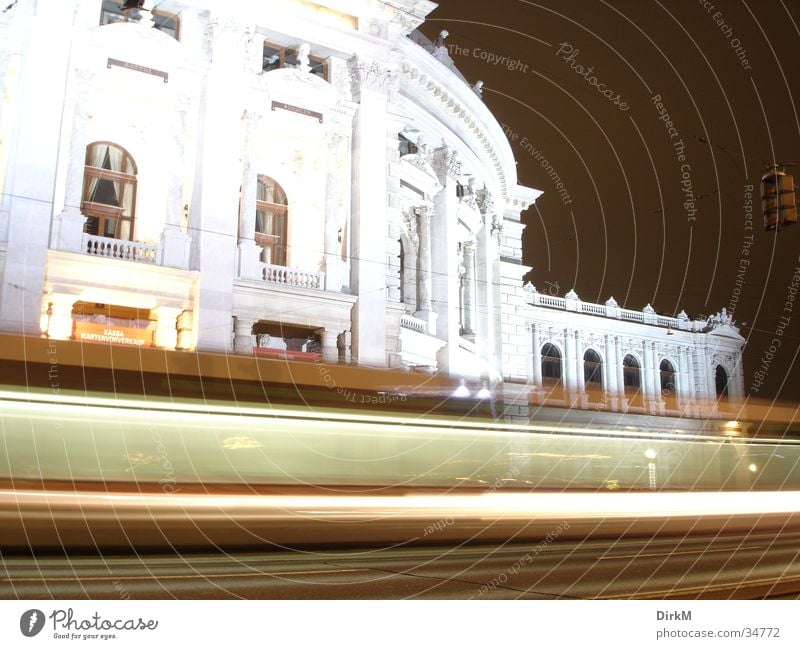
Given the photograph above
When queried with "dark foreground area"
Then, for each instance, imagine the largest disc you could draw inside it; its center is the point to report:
(729, 566)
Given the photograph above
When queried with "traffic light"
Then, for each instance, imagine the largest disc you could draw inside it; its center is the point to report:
(777, 200)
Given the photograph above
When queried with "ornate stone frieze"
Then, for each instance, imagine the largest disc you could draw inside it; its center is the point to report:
(370, 75)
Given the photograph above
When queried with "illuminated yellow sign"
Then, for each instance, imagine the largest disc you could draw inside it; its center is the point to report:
(90, 332)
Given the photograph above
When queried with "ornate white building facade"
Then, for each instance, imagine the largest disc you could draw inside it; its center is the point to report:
(291, 178)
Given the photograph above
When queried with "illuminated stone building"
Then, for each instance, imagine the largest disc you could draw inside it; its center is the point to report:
(291, 179)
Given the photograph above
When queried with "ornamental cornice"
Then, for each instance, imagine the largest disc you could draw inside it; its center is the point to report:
(459, 112)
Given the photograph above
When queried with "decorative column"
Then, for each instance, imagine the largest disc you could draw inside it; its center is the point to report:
(623, 400)
(175, 242)
(60, 316)
(537, 357)
(167, 327)
(655, 377)
(185, 330)
(469, 290)
(372, 82)
(332, 265)
(243, 336)
(570, 381)
(700, 375)
(580, 372)
(217, 182)
(344, 343)
(647, 378)
(684, 392)
(710, 374)
(691, 395)
(610, 378)
(445, 256)
(249, 251)
(67, 231)
(330, 346)
(424, 279)
(738, 377)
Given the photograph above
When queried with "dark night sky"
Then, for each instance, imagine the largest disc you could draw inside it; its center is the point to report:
(626, 232)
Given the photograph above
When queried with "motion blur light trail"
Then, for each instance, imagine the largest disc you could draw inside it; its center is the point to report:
(102, 440)
(84, 520)
(97, 471)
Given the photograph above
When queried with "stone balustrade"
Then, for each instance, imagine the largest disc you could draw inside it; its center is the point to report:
(612, 310)
(292, 277)
(120, 249)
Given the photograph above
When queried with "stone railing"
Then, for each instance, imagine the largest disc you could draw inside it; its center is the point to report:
(414, 324)
(120, 249)
(442, 55)
(293, 277)
(571, 302)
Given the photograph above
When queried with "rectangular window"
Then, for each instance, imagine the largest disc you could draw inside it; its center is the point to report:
(406, 146)
(164, 21)
(276, 57)
(271, 234)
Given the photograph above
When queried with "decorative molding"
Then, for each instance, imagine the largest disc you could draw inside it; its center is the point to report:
(370, 75)
(459, 112)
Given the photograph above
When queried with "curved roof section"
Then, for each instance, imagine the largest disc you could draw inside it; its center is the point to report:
(446, 94)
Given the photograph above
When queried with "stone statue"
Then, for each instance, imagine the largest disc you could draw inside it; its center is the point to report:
(304, 62)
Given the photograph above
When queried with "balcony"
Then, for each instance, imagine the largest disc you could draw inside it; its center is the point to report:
(414, 324)
(293, 277)
(145, 253)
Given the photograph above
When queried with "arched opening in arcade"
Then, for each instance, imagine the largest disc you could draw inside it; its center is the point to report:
(632, 380)
(551, 370)
(668, 384)
(721, 382)
(593, 375)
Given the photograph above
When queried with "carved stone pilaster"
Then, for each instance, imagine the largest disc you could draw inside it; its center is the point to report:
(485, 202)
(249, 252)
(410, 224)
(332, 264)
(67, 231)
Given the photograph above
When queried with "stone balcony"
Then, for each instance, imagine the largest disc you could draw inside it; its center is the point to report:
(293, 277)
(118, 249)
(68, 235)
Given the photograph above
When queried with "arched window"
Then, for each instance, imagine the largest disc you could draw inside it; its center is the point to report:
(721, 381)
(271, 221)
(109, 191)
(551, 363)
(631, 374)
(592, 369)
(667, 378)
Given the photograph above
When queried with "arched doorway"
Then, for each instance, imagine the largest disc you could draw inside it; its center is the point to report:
(721, 381)
(552, 370)
(632, 380)
(668, 383)
(593, 375)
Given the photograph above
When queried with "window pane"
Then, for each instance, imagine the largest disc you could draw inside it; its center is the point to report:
(318, 67)
(166, 23)
(92, 225)
(109, 228)
(272, 58)
(111, 12)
